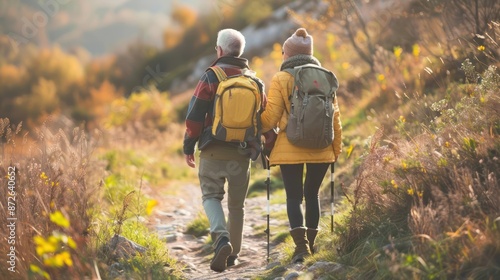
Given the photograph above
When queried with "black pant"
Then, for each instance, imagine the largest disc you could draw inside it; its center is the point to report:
(296, 190)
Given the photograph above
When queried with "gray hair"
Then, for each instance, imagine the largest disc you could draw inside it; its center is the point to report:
(231, 41)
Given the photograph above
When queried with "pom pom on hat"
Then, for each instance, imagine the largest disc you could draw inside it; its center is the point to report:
(301, 32)
(299, 43)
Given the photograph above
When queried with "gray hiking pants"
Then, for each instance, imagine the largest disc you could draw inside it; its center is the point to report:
(213, 174)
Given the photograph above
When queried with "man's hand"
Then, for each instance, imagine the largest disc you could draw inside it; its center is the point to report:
(190, 161)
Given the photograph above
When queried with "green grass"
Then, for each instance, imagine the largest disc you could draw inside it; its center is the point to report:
(152, 166)
(155, 263)
(199, 226)
(133, 168)
(278, 197)
(259, 185)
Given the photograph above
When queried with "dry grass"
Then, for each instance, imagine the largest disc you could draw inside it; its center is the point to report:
(66, 205)
(55, 174)
(426, 201)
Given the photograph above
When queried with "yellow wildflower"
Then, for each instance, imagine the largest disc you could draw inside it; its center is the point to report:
(481, 48)
(66, 256)
(53, 240)
(394, 184)
(59, 260)
(349, 150)
(416, 50)
(149, 207)
(44, 246)
(53, 262)
(404, 165)
(59, 219)
(35, 269)
(398, 51)
(410, 191)
(71, 243)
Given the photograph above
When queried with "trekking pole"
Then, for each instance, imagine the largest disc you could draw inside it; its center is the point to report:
(265, 163)
(332, 195)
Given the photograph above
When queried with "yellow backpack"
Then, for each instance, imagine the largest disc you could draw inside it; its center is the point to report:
(237, 108)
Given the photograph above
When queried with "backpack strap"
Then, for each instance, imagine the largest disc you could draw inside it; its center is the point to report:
(221, 75)
(291, 71)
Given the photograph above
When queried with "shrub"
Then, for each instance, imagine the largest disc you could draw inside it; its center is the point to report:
(150, 109)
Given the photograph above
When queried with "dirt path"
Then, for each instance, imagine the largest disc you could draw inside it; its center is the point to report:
(175, 211)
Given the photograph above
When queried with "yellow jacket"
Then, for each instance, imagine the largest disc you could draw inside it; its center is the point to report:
(275, 115)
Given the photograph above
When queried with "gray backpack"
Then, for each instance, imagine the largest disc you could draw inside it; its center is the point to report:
(310, 120)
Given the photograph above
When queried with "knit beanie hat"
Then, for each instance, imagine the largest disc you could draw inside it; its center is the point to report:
(299, 43)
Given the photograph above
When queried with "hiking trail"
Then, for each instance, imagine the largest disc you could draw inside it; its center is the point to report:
(175, 211)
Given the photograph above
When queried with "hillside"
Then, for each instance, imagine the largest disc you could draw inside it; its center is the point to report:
(99, 27)
(91, 147)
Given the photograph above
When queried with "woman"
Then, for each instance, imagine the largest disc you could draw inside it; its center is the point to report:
(298, 50)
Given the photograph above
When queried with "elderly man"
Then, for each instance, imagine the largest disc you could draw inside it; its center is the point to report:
(220, 160)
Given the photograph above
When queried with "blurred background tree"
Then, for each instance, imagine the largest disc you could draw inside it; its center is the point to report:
(440, 26)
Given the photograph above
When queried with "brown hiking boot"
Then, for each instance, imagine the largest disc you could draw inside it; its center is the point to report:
(222, 252)
(311, 236)
(301, 244)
